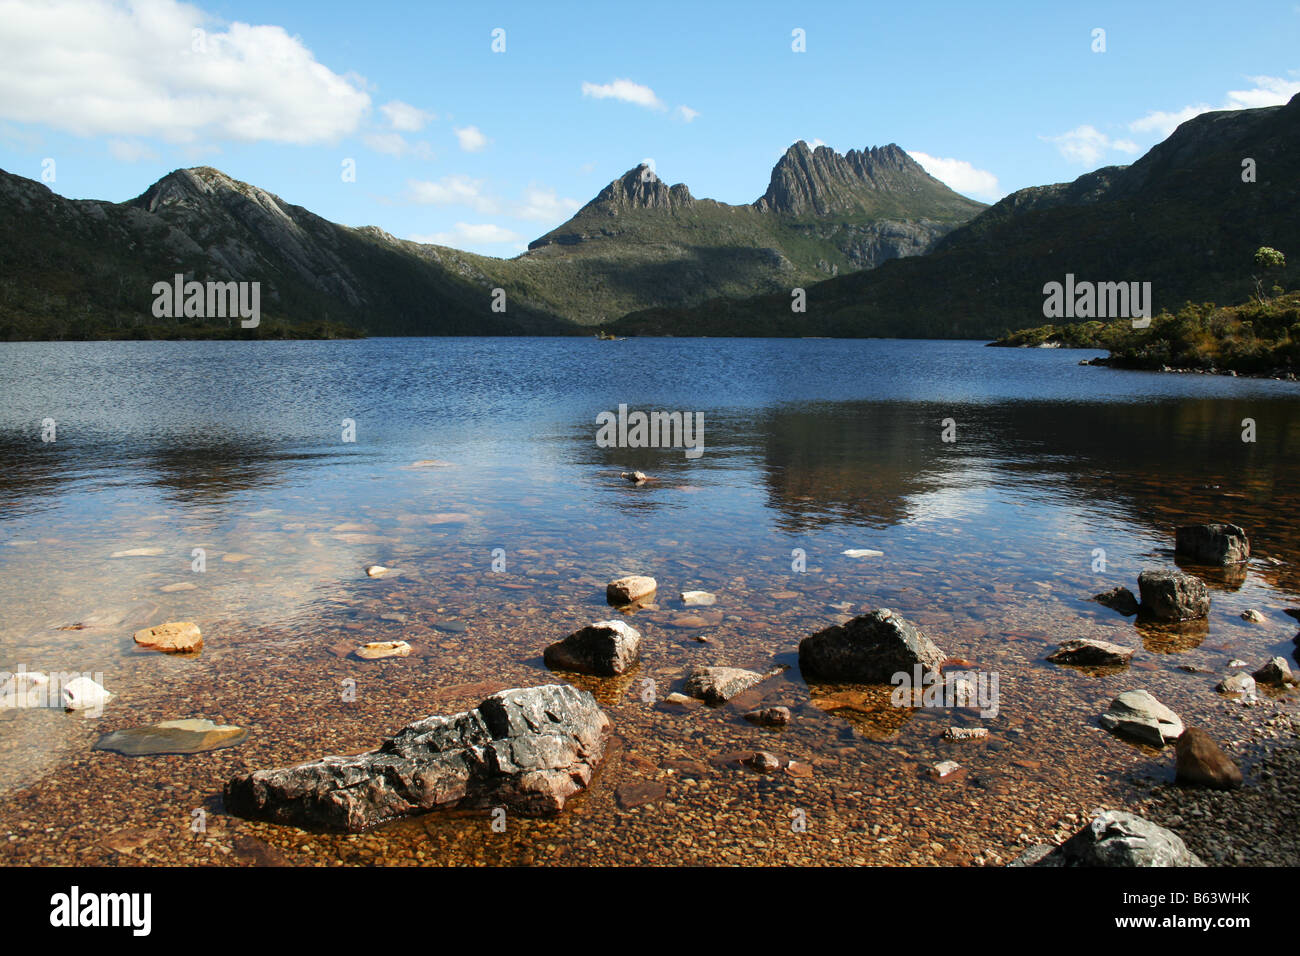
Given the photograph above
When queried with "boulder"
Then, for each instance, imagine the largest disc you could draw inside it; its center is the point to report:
(176, 637)
(717, 685)
(869, 649)
(1201, 763)
(1089, 652)
(1253, 616)
(1238, 682)
(629, 589)
(528, 750)
(1136, 714)
(1118, 599)
(1216, 544)
(1115, 838)
(1276, 673)
(1173, 596)
(606, 649)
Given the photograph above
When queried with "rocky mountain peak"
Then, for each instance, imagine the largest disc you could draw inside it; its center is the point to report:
(822, 182)
(199, 185)
(641, 188)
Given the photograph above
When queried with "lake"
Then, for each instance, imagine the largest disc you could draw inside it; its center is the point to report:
(292, 466)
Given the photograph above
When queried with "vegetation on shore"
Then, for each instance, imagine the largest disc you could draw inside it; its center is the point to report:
(1257, 337)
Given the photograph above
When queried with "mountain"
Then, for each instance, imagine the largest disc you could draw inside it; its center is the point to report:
(1181, 218)
(84, 268)
(76, 268)
(642, 243)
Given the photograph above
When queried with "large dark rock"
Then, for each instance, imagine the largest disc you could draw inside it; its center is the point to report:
(1201, 763)
(1212, 543)
(526, 750)
(606, 648)
(1115, 838)
(1173, 596)
(869, 649)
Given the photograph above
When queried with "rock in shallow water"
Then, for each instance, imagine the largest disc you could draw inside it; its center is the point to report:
(606, 649)
(1136, 714)
(528, 750)
(717, 685)
(1115, 838)
(869, 649)
(379, 650)
(176, 637)
(1173, 596)
(191, 736)
(769, 716)
(1216, 544)
(1276, 673)
(698, 599)
(1118, 599)
(1237, 683)
(1200, 762)
(1088, 652)
(630, 589)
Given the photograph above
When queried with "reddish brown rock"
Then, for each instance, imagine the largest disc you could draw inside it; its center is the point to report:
(1201, 763)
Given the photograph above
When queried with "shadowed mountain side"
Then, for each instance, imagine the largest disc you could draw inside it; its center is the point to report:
(1181, 218)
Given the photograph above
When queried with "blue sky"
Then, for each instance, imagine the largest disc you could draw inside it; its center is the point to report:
(455, 143)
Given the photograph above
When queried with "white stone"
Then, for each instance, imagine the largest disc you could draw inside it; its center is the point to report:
(83, 694)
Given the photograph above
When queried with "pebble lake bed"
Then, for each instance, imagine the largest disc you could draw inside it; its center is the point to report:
(474, 521)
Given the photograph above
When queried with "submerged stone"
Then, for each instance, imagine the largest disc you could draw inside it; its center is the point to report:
(189, 736)
(176, 637)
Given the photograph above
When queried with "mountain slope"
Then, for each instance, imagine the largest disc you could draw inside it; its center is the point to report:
(80, 268)
(1180, 218)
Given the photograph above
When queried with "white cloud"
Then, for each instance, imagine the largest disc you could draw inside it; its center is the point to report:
(130, 151)
(1087, 145)
(395, 144)
(471, 139)
(540, 203)
(687, 114)
(626, 91)
(404, 117)
(165, 69)
(543, 203)
(455, 190)
(470, 234)
(959, 175)
(1267, 91)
